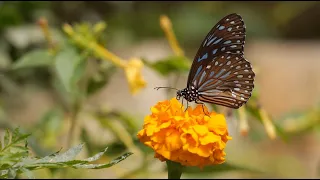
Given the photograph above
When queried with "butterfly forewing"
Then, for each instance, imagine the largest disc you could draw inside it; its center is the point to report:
(219, 71)
(227, 36)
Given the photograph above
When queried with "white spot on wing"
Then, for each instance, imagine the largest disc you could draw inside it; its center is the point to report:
(221, 27)
(227, 42)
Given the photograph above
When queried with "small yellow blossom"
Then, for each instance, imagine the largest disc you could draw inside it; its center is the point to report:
(43, 23)
(133, 70)
(166, 26)
(190, 137)
(132, 67)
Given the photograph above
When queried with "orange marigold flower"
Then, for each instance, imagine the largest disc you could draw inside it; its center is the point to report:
(190, 137)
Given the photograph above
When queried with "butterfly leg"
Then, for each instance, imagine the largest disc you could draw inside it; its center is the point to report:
(186, 107)
(181, 103)
(202, 108)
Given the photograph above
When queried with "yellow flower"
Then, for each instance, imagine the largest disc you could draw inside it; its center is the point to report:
(133, 70)
(190, 137)
(166, 26)
(132, 67)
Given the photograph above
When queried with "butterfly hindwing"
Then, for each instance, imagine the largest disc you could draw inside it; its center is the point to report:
(226, 80)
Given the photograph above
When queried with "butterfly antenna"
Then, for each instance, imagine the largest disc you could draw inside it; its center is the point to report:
(157, 88)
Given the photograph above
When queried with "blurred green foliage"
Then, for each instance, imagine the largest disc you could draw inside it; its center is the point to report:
(15, 158)
(73, 73)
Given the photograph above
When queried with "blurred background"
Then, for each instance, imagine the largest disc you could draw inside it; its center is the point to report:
(282, 43)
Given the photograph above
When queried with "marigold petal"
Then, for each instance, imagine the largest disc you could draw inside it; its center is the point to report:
(209, 138)
(200, 130)
(205, 151)
(173, 141)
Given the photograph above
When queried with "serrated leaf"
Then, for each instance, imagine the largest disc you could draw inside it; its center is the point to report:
(34, 58)
(218, 169)
(66, 64)
(22, 138)
(101, 166)
(97, 156)
(13, 163)
(172, 64)
(64, 157)
(15, 134)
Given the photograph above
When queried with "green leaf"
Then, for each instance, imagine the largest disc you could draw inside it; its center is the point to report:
(13, 163)
(172, 64)
(218, 169)
(12, 173)
(34, 58)
(127, 119)
(49, 126)
(85, 138)
(100, 79)
(97, 156)
(101, 166)
(66, 64)
(6, 137)
(64, 157)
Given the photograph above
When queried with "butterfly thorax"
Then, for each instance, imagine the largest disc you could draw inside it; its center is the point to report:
(188, 94)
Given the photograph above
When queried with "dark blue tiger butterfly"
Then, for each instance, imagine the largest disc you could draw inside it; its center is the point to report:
(219, 73)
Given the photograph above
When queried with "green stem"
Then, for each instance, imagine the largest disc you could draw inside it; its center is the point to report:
(73, 118)
(174, 170)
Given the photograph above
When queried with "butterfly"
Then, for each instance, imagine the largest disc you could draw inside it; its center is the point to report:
(219, 73)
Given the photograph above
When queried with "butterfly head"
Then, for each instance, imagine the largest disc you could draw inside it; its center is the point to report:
(180, 93)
